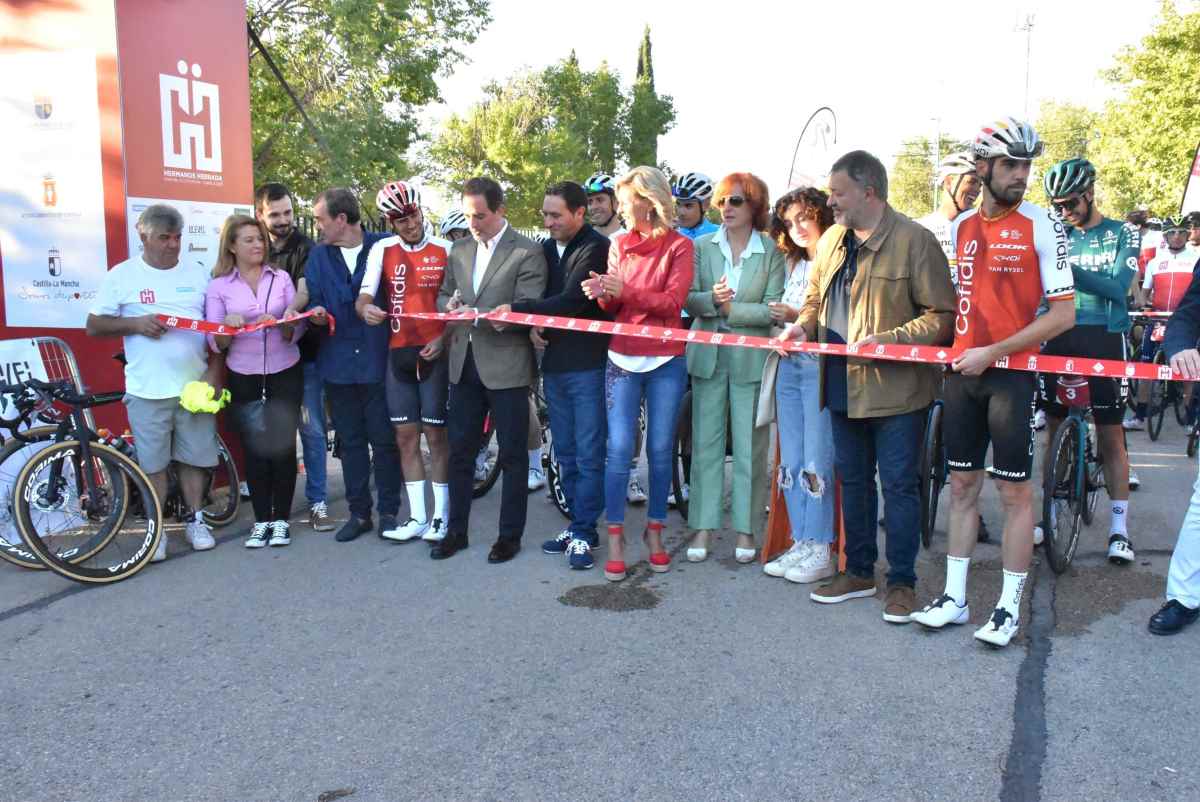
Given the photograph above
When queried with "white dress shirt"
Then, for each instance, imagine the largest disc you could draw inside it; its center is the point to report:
(483, 256)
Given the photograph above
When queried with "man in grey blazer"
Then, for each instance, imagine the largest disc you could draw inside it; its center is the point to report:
(491, 364)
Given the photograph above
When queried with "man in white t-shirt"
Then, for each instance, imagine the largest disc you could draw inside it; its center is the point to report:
(159, 361)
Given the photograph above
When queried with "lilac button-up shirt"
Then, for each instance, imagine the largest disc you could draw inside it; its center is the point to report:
(230, 295)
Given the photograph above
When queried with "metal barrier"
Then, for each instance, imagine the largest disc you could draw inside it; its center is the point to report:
(59, 362)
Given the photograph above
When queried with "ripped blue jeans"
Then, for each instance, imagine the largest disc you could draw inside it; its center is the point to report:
(805, 474)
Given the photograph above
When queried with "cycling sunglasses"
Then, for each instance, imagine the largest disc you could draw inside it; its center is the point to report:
(1067, 205)
(596, 187)
(407, 210)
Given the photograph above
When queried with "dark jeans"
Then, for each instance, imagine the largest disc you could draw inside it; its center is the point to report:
(579, 426)
(470, 402)
(271, 458)
(360, 417)
(893, 444)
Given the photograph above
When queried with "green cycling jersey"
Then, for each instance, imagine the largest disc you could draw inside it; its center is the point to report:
(1104, 260)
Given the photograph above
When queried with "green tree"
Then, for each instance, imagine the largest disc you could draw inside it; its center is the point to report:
(910, 182)
(1147, 136)
(361, 69)
(650, 115)
(1068, 131)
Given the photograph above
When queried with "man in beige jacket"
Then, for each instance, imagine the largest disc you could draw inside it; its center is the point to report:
(878, 278)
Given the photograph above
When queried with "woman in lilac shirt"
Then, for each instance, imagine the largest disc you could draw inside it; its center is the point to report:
(244, 289)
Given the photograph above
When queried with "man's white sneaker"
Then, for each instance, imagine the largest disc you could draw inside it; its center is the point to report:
(1120, 549)
(815, 565)
(1134, 481)
(481, 466)
(160, 551)
(635, 493)
(1133, 424)
(1039, 535)
(1039, 420)
(999, 629)
(258, 535)
(942, 611)
(199, 535)
(780, 565)
(280, 534)
(436, 531)
(406, 531)
(684, 489)
(537, 479)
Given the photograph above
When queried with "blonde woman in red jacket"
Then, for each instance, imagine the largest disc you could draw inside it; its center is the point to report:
(647, 283)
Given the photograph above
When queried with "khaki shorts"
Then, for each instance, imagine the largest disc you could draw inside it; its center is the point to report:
(164, 432)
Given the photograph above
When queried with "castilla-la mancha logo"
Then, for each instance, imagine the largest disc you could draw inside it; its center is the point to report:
(191, 120)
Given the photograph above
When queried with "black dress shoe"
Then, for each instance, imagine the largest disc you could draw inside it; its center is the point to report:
(1172, 618)
(386, 524)
(503, 550)
(352, 529)
(448, 547)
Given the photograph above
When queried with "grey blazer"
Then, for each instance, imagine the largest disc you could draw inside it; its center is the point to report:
(516, 272)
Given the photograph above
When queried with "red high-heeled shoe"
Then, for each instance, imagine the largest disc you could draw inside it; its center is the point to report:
(660, 561)
(614, 570)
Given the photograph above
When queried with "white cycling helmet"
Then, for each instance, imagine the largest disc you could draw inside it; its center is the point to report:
(961, 163)
(1007, 137)
(600, 182)
(398, 199)
(693, 187)
(454, 221)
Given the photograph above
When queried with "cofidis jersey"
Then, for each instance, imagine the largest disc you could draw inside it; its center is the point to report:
(1006, 266)
(411, 276)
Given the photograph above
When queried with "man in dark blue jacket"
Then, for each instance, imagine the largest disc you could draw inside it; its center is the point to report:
(351, 362)
(1183, 577)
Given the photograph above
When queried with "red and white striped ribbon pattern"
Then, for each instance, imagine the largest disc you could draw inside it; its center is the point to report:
(206, 327)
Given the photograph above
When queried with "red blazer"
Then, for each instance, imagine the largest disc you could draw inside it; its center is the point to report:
(657, 274)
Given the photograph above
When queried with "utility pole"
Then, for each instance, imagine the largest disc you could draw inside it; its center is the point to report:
(1028, 29)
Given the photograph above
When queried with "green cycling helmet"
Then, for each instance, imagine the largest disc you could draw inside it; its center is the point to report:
(1069, 177)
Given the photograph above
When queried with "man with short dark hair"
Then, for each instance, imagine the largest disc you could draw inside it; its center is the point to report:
(351, 364)
(289, 250)
(573, 366)
(491, 364)
(878, 278)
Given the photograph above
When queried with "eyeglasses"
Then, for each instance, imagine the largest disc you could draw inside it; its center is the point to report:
(735, 201)
(1067, 205)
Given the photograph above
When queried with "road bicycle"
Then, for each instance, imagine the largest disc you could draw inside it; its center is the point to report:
(933, 470)
(1074, 475)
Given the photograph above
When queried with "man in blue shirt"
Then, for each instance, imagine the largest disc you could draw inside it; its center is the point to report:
(692, 192)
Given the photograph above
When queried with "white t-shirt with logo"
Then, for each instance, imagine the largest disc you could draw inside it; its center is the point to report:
(157, 368)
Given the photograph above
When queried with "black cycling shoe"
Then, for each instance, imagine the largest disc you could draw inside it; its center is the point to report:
(1172, 618)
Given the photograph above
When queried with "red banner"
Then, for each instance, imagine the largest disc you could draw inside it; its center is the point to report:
(206, 327)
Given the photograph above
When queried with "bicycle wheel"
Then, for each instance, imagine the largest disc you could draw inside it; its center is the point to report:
(1179, 404)
(1193, 440)
(1094, 478)
(78, 525)
(222, 499)
(487, 464)
(554, 483)
(1159, 398)
(933, 475)
(13, 456)
(681, 467)
(1061, 496)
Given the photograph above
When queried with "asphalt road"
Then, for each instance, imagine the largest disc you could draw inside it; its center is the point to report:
(367, 670)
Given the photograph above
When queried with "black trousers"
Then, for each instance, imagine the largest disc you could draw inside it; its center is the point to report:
(271, 459)
(470, 402)
(368, 443)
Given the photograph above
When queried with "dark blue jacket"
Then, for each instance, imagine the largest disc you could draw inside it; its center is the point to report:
(1183, 330)
(356, 353)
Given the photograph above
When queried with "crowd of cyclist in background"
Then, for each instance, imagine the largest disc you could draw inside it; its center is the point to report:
(987, 272)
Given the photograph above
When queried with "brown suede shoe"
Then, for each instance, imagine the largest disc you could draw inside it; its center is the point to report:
(899, 604)
(843, 587)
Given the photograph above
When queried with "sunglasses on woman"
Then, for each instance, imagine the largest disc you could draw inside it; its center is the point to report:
(735, 201)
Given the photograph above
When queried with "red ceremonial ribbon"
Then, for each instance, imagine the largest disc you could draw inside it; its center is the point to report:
(929, 354)
(205, 327)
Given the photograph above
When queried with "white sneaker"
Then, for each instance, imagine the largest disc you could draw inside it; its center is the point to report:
(244, 490)
(943, 610)
(1120, 549)
(160, 551)
(1134, 481)
(481, 466)
(780, 565)
(199, 534)
(537, 479)
(1038, 535)
(635, 494)
(406, 531)
(280, 534)
(1039, 420)
(258, 535)
(815, 566)
(436, 531)
(684, 490)
(999, 629)
(1133, 424)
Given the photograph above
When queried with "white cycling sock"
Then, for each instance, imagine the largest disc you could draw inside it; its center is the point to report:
(441, 501)
(956, 578)
(1120, 518)
(1010, 594)
(416, 500)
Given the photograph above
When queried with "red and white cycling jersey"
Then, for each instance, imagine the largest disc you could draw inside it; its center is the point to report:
(1005, 267)
(1151, 241)
(1168, 276)
(412, 276)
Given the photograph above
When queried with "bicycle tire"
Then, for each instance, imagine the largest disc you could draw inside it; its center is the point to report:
(16, 552)
(482, 486)
(1159, 396)
(681, 462)
(554, 483)
(1061, 501)
(217, 514)
(932, 472)
(1192, 442)
(133, 480)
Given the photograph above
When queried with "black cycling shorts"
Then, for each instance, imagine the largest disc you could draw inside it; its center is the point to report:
(417, 390)
(1107, 393)
(996, 407)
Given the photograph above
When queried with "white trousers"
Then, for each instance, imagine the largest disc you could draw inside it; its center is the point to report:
(1183, 577)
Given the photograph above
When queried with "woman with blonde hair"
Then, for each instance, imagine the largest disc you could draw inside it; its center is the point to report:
(646, 284)
(261, 366)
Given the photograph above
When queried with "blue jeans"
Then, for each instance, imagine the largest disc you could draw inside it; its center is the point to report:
(805, 449)
(578, 424)
(312, 435)
(893, 444)
(663, 389)
(361, 419)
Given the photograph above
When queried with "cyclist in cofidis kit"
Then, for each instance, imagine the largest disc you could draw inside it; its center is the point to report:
(1010, 256)
(1103, 254)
